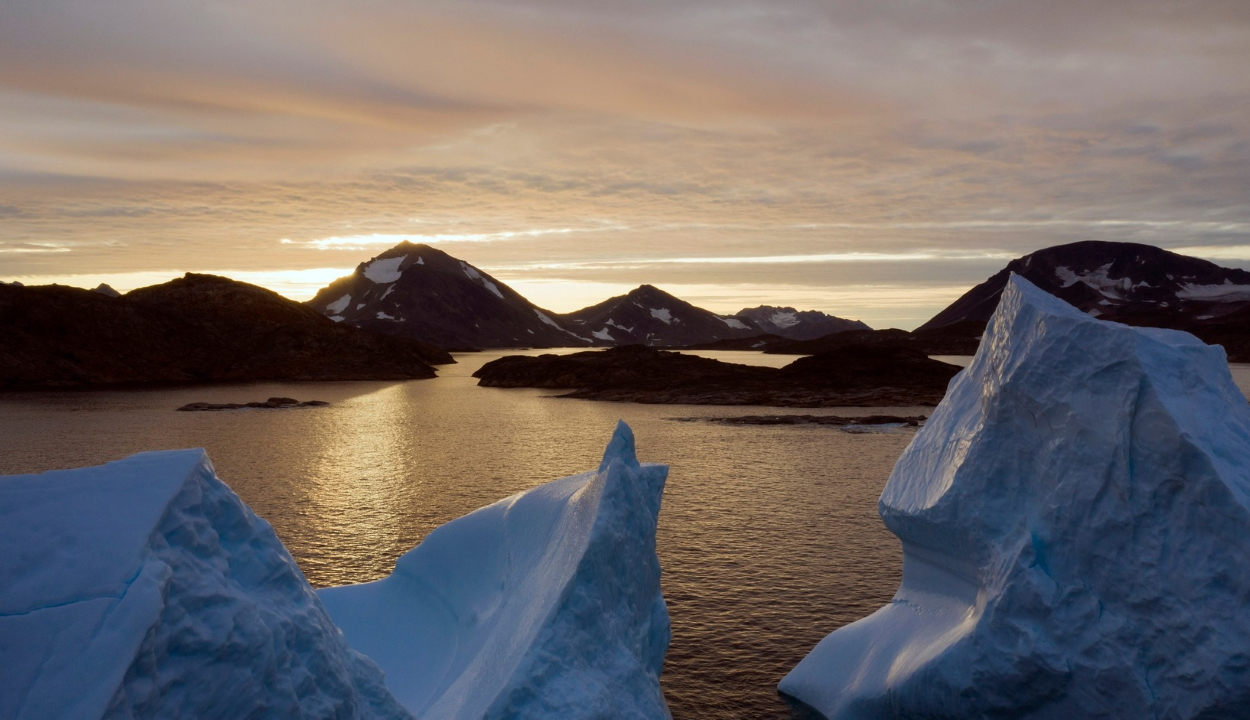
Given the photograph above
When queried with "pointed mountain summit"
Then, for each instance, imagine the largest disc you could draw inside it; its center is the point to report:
(649, 316)
(416, 291)
(797, 324)
(1126, 282)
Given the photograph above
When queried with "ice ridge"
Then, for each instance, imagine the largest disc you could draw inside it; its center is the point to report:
(545, 604)
(146, 588)
(1075, 522)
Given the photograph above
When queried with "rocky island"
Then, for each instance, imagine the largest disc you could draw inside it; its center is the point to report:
(864, 376)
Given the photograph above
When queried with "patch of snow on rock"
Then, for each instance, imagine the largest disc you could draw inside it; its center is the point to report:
(1226, 291)
(1075, 523)
(662, 315)
(543, 316)
(385, 271)
(472, 273)
(336, 318)
(784, 319)
(1099, 281)
(544, 605)
(389, 290)
(339, 305)
(733, 322)
(145, 588)
(383, 316)
(604, 335)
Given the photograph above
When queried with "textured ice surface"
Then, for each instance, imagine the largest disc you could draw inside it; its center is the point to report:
(145, 588)
(1076, 536)
(543, 605)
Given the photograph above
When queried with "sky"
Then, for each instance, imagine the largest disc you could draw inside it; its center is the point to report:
(869, 158)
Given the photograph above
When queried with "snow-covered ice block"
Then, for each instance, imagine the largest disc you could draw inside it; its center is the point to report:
(146, 588)
(1075, 521)
(544, 605)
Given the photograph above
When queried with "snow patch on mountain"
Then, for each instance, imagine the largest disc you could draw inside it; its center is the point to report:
(544, 605)
(1226, 292)
(385, 270)
(1075, 518)
(384, 316)
(603, 335)
(1099, 281)
(663, 315)
(784, 319)
(472, 273)
(339, 305)
(543, 316)
(734, 323)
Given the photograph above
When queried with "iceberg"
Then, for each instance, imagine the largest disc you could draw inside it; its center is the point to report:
(1075, 522)
(146, 588)
(546, 604)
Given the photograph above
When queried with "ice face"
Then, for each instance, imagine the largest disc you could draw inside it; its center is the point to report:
(146, 588)
(1075, 521)
(544, 605)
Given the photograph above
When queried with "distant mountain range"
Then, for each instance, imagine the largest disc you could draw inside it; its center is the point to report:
(198, 328)
(397, 314)
(794, 324)
(417, 291)
(650, 316)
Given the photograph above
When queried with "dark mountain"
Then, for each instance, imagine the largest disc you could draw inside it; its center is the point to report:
(650, 316)
(418, 292)
(961, 338)
(796, 324)
(199, 328)
(1126, 282)
(859, 376)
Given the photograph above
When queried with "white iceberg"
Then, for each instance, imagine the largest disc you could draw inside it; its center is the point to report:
(544, 605)
(1075, 521)
(146, 588)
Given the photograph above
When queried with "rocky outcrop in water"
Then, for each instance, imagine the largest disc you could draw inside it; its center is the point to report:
(853, 377)
(273, 403)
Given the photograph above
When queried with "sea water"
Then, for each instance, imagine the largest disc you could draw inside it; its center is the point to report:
(769, 537)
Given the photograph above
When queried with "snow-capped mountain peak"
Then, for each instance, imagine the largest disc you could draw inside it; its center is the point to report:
(795, 324)
(419, 291)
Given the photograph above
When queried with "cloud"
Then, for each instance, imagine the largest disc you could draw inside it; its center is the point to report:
(619, 138)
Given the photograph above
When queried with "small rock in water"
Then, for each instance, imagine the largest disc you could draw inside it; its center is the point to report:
(271, 403)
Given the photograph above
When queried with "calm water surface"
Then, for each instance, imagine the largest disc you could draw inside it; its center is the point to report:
(769, 537)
